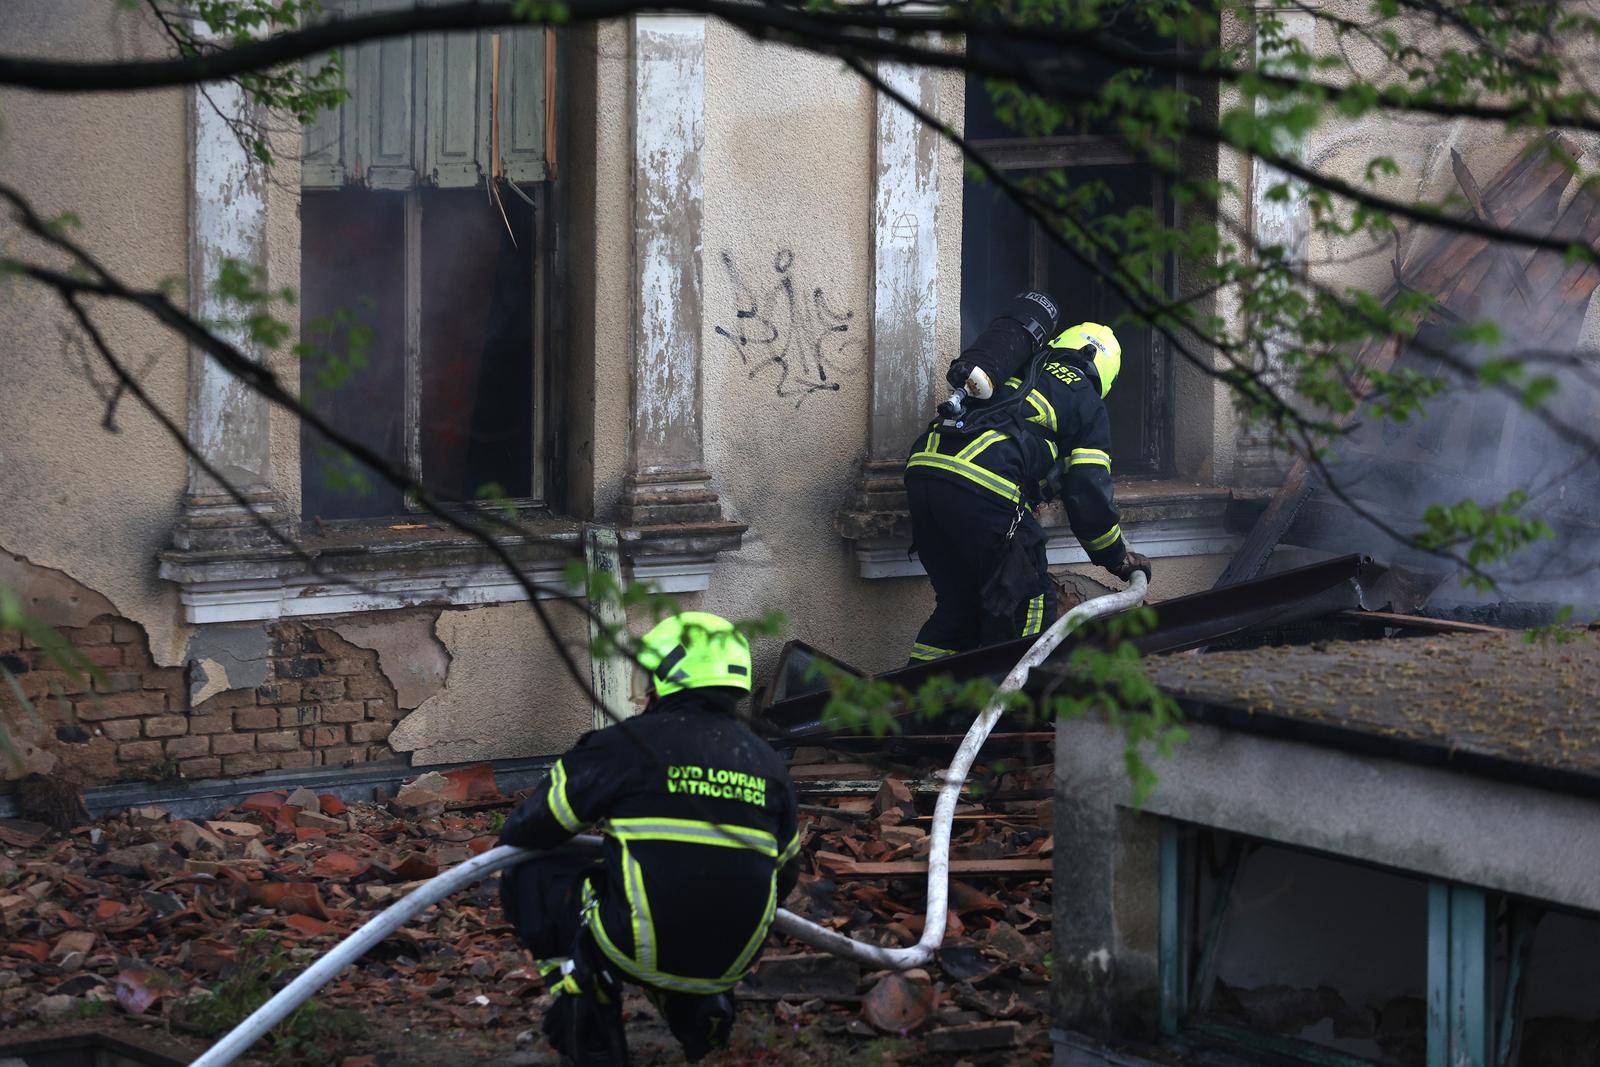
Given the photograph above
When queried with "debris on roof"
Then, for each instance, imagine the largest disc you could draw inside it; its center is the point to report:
(1497, 699)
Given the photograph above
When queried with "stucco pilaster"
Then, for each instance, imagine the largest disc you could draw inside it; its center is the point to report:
(904, 354)
(667, 481)
(228, 422)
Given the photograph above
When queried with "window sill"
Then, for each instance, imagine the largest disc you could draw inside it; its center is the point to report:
(1162, 519)
(389, 564)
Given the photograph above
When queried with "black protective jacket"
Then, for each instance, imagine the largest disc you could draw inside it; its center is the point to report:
(1026, 447)
(698, 815)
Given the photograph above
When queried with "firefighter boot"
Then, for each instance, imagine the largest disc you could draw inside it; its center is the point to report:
(702, 1024)
(584, 1024)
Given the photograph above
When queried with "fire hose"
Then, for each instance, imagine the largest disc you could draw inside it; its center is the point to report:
(386, 922)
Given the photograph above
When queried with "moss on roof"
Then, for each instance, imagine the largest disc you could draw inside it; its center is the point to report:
(1495, 695)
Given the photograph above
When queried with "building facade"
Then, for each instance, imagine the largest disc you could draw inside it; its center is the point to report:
(657, 284)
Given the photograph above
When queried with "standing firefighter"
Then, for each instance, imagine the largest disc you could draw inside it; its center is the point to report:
(976, 474)
(698, 815)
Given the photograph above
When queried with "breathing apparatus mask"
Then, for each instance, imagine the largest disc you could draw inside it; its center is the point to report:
(1015, 336)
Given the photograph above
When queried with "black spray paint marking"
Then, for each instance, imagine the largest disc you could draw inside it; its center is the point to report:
(805, 339)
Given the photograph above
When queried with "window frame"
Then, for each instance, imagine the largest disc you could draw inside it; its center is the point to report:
(538, 497)
(547, 199)
(1089, 152)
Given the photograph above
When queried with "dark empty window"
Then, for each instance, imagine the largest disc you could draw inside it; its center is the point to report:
(1003, 250)
(1316, 952)
(441, 282)
(423, 250)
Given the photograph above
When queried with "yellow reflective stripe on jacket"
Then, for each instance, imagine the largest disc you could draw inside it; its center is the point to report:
(644, 929)
(560, 807)
(790, 849)
(1046, 410)
(971, 471)
(920, 651)
(979, 443)
(650, 975)
(636, 969)
(693, 832)
(1106, 539)
(736, 970)
(1035, 620)
(1090, 455)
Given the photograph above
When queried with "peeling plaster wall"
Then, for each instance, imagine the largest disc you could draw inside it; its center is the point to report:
(508, 694)
(410, 652)
(94, 505)
(788, 207)
(789, 200)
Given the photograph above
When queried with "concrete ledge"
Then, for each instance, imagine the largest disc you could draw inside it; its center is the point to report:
(1430, 821)
(379, 566)
(1163, 520)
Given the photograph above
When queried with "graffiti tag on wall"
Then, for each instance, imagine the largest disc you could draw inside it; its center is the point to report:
(792, 335)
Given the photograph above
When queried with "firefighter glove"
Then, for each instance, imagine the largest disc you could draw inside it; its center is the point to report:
(1131, 561)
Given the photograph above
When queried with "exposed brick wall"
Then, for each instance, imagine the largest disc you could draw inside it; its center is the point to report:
(325, 703)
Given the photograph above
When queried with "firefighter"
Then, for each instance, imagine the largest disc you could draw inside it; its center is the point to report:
(976, 474)
(698, 819)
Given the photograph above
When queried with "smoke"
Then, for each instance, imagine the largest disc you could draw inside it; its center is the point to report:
(1474, 442)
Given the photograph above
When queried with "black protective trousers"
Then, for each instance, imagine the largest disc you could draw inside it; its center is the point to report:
(543, 901)
(960, 535)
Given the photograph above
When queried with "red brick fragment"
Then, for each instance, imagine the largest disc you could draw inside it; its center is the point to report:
(37, 951)
(471, 783)
(340, 865)
(306, 926)
(263, 803)
(332, 805)
(211, 956)
(137, 990)
(291, 898)
(415, 868)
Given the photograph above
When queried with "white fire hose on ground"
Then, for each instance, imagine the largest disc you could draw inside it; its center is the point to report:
(386, 922)
(955, 777)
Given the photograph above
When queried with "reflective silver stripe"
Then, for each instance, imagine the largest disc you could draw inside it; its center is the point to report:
(692, 831)
(1045, 409)
(978, 444)
(988, 479)
(1090, 455)
(644, 941)
(758, 935)
(1035, 616)
(560, 807)
(1106, 539)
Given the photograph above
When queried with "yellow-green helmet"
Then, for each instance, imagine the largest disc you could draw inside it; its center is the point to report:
(1107, 350)
(695, 650)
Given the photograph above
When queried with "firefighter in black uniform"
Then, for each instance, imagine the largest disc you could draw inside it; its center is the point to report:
(698, 816)
(976, 474)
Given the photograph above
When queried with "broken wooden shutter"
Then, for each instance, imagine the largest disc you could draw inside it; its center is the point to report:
(457, 126)
(384, 99)
(322, 159)
(430, 110)
(522, 104)
(469, 113)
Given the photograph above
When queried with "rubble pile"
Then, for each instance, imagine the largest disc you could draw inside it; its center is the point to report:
(148, 919)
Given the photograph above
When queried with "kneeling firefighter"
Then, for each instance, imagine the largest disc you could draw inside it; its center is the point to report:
(1028, 420)
(698, 815)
